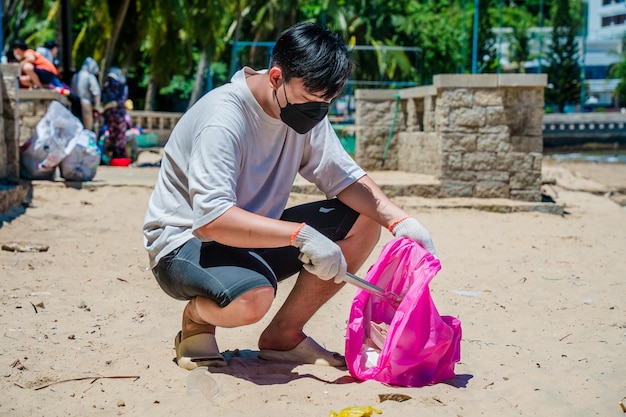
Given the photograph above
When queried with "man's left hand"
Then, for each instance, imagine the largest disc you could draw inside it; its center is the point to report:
(413, 229)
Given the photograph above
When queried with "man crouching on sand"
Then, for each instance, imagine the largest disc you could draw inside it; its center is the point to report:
(217, 231)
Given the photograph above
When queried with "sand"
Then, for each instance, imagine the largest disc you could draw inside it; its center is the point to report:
(85, 329)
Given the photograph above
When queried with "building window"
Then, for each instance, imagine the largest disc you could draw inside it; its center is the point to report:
(614, 20)
(594, 72)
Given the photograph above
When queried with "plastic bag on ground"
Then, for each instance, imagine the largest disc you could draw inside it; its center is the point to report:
(30, 162)
(82, 162)
(55, 137)
(411, 345)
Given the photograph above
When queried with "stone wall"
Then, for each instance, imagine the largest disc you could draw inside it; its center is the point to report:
(14, 192)
(9, 124)
(33, 105)
(21, 110)
(479, 135)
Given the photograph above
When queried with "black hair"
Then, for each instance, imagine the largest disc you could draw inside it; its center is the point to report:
(19, 44)
(50, 44)
(314, 54)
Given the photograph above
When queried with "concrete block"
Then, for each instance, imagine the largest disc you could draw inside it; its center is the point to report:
(534, 196)
(457, 98)
(522, 80)
(473, 117)
(458, 142)
(493, 142)
(11, 70)
(525, 180)
(465, 80)
(456, 189)
(491, 189)
(488, 98)
(480, 161)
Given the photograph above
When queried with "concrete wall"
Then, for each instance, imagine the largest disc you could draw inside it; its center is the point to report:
(33, 105)
(479, 135)
(21, 110)
(9, 123)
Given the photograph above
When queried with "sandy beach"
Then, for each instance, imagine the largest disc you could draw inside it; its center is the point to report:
(85, 329)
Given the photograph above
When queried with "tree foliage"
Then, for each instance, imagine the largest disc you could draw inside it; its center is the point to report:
(618, 70)
(172, 51)
(564, 75)
(520, 21)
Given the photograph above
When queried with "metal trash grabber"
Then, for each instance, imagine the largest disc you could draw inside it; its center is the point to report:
(392, 298)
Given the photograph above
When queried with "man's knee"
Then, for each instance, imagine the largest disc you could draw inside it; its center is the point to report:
(252, 305)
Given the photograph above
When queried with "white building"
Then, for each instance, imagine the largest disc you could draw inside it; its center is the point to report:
(601, 43)
(606, 26)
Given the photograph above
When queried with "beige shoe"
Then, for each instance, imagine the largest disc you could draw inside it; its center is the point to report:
(198, 350)
(308, 351)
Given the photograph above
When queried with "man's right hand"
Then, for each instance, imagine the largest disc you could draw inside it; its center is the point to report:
(321, 256)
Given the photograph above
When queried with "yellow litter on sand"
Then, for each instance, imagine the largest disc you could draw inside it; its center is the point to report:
(359, 411)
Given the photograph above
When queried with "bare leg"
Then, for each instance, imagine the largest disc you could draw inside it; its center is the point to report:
(29, 70)
(87, 113)
(202, 314)
(285, 331)
(25, 81)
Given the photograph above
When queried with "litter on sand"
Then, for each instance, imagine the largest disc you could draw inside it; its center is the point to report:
(24, 247)
(394, 397)
(358, 411)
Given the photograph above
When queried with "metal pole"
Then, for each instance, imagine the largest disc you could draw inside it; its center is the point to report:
(463, 39)
(499, 34)
(209, 74)
(66, 32)
(582, 66)
(1, 32)
(540, 35)
(475, 40)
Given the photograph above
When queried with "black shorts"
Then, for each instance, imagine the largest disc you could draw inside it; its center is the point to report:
(46, 77)
(223, 273)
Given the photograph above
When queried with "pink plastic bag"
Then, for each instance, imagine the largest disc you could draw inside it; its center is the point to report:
(420, 346)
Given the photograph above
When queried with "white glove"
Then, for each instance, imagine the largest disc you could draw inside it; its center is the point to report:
(412, 229)
(321, 256)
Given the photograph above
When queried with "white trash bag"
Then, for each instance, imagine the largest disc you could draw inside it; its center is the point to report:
(30, 162)
(81, 164)
(54, 139)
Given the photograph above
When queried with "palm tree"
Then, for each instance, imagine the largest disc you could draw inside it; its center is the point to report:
(564, 70)
(166, 43)
(100, 27)
(436, 27)
(214, 14)
(618, 70)
(520, 20)
(119, 17)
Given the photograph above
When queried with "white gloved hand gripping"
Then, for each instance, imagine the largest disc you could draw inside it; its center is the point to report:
(321, 256)
(409, 227)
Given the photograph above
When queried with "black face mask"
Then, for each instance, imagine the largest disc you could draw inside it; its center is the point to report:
(302, 117)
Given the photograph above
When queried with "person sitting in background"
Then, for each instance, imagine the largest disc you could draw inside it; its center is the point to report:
(85, 84)
(37, 71)
(49, 50)
(114, 95)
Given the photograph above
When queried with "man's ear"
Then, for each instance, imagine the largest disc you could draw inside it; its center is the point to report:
(276, 77)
